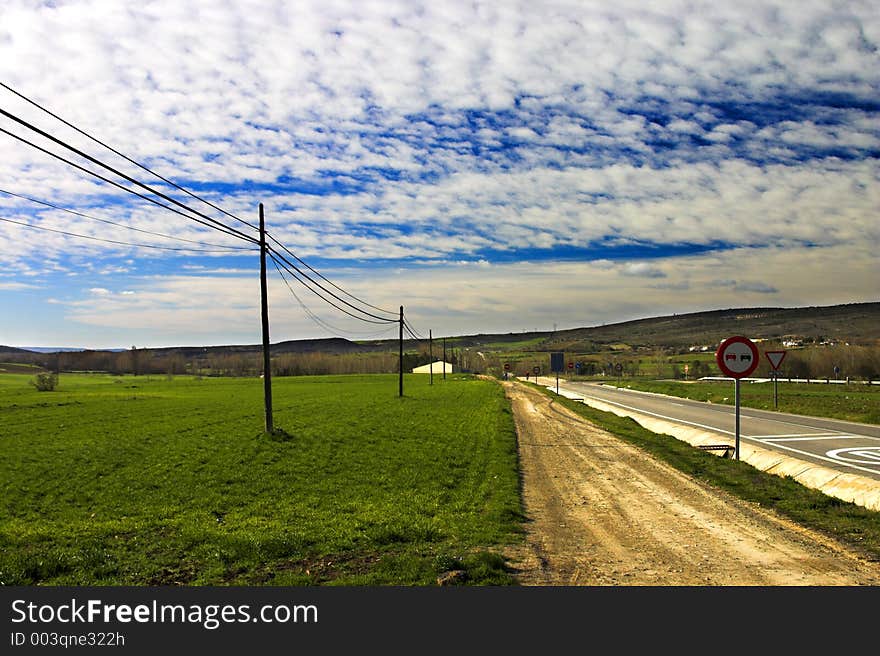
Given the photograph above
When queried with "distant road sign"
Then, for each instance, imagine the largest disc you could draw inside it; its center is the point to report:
(776, 358)
(557, 362)
(571, 365)
(506, 366)
(536, 370)
(618, 367)
(737, 356)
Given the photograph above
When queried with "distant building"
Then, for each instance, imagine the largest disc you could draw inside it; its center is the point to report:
(436, 367)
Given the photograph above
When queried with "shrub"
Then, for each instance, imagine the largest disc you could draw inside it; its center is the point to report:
(45, 382)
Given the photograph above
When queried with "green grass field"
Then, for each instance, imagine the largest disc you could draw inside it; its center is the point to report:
(854, 402)
(151, 481)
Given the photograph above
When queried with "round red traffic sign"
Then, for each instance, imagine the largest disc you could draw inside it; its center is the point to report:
(737, 356)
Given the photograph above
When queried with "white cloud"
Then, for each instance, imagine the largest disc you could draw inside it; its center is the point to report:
(642, 270)
(16, 286)
(449, 132)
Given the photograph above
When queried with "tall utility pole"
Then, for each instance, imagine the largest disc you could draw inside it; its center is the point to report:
(267, 366)
(430, 358)
(444, 358)
(400, 365)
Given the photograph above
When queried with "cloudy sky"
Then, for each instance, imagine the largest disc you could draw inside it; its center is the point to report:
(492, 166)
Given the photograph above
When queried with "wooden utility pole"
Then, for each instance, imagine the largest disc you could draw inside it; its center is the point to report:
(444, 358)
(400, 365)
(430, 358)
(267, 364)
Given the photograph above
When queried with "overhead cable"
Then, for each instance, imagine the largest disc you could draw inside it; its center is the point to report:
(125, 157)
(412, 330)
(126, 177)
(333, 330)
(229, 231)
(122, 225)
(327, 291)
(112, 241)
(352, 296)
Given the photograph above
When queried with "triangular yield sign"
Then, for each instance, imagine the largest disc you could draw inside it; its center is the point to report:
(775, 358)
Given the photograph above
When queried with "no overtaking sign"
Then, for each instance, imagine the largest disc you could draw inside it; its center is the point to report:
(737, 357)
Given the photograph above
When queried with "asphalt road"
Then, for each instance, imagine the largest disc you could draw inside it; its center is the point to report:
(842, 445)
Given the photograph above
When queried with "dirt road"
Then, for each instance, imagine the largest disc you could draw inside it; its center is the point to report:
(603, 513)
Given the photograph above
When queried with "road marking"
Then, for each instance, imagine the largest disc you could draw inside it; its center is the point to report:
(654, 414)
(814, 438)
(780, 435)
(816, 456)
(866, 455)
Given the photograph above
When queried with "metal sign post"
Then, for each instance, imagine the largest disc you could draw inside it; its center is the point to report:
(557, 364)
(736, 406)
(737, 357)
(775, 358)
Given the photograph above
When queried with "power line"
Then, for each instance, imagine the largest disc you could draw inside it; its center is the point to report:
(286, 265)
(122, 225)
(111, 241)
(327, 291)
(224, 227)
(128, 178)
(333, 330)
(125, 157)
(229, 231)
(412, 330)
(326, 280)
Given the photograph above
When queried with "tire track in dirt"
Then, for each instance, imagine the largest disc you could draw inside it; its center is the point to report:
(602, 512)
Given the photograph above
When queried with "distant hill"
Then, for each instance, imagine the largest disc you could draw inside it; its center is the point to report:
(327, 345)
(855, 323)
(13, 349)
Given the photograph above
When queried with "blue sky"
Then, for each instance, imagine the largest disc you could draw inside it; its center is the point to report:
(491, 166)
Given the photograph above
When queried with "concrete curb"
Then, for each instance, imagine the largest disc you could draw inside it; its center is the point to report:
(860, 490)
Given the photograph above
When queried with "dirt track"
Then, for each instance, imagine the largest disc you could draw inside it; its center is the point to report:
(602, 512)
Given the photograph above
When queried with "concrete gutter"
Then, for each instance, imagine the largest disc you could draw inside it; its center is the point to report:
(860, 490)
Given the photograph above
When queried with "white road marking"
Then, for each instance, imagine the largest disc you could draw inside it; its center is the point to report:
(836, 461)
(779, 435)
(813, 438)
(865, 455)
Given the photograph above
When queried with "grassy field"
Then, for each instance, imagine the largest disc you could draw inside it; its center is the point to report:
(154, 481)
(854, 402)
(852, 524)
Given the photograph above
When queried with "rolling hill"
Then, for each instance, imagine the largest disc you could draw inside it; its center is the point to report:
(855, 323)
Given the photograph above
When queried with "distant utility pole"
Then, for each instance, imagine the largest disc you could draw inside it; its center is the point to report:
(430, 358)
(400, 360)
(444, 358)
(267, 365)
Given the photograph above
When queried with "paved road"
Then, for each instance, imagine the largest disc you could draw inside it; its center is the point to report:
(842, 445)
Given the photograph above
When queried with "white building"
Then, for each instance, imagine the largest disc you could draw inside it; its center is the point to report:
(436, 367)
